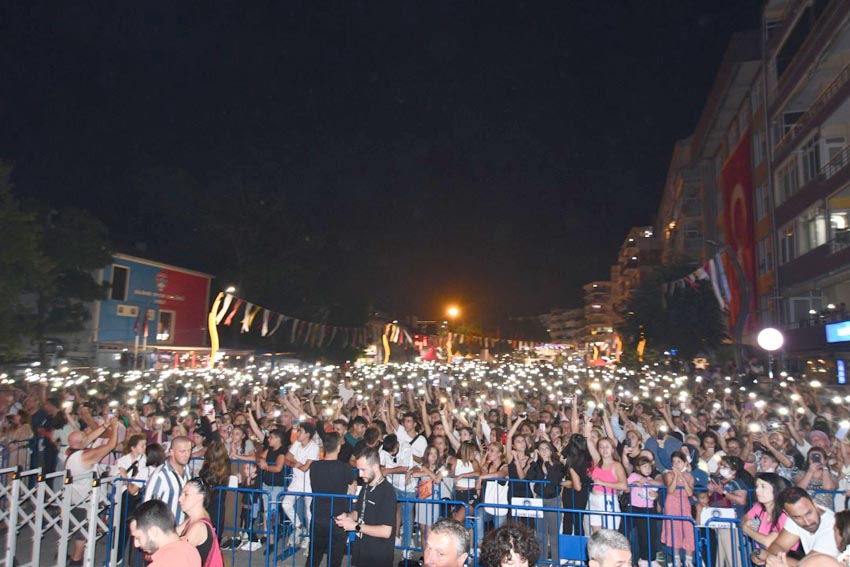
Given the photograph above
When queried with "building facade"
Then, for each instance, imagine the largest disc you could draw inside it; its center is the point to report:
(565, 326)
(150, 307)
(639, 254)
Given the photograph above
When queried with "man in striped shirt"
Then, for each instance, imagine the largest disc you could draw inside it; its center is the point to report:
(167, 482)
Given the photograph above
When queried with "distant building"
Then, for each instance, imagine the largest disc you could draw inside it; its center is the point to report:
(598, 314)
(564, 326)
(149, 304)
(639, 254)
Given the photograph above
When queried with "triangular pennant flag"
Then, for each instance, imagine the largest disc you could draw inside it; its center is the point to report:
(229, 319)
(280, 320)
(225, 305)
(265, 328)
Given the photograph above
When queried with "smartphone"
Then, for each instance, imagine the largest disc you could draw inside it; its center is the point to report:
(209, 409)
(146, 399)
(724, 427)
(110, 414)
(843, 429)
(542, 427)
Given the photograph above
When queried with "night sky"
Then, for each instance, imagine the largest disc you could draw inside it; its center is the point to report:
(489, 153)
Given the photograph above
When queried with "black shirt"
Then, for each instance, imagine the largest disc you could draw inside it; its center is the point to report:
(274, 478)
(553, 474)
(375, 507)
(329, 477)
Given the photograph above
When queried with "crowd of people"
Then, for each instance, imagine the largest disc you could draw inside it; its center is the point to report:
(431, 441)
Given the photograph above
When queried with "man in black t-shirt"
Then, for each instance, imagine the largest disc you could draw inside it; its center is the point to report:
(329, 476)
(373, 517)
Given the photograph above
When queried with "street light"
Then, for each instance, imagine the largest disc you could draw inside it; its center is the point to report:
(230, 289)
(771, 340)
(453, 312)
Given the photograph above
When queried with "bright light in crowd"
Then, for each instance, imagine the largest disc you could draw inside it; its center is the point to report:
(770, 339)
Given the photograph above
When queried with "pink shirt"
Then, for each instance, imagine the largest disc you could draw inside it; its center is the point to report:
(606, 475)
(640, 495)
(765, 525)
(178, 554)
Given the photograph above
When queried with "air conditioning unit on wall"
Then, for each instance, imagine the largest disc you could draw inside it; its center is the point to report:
(127, 311)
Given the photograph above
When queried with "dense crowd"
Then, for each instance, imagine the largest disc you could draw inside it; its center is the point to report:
(647, 441)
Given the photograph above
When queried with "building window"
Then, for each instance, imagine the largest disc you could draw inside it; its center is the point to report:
(788, 182)
(811, 159)
(787, 244)
(165, 326)
(692, 230)
(762, 202)
(764, 257)
(119, 283)
(759, 149)
(812, 229)
(755, 97)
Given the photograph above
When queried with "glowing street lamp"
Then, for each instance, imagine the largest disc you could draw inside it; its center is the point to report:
(453, 312)
(771, 340)
(230, 289)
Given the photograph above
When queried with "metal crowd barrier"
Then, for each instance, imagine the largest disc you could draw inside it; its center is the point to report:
(267, 535)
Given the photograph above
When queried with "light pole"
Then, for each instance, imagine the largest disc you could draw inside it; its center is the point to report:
(743, 304)
(771, 340)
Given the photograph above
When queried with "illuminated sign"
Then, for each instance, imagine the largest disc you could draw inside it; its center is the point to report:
(838, 332)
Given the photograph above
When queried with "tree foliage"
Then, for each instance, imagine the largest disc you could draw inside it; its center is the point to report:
(47, 265)
(76, 245)
(22, 263)
(688, 321)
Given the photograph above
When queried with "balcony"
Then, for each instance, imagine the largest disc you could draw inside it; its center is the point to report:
(832, 176)
(827, 258)
(809, 53)
(826, 103)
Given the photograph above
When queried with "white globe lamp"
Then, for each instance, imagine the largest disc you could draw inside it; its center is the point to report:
(771, 340)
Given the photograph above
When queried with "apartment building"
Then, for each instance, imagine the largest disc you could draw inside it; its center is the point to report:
(598, 316)
(565, 326)
(639, 254)
(806, 200)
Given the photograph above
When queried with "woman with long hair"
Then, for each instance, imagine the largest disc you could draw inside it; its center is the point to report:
(133, 466)
(198, 529)
(466, 470)
(548, 469)
(493, 468)
(577, 466)
(764, 521)
(216, 472)
(608, 476)
(430, 487)
(240, 448)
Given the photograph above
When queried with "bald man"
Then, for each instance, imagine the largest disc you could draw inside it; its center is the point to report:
(82, 464)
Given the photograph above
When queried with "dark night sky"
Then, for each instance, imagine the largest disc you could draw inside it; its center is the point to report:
(493, 153)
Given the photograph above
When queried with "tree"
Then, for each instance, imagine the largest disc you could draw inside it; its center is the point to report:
(22, 262)
(75, 243)
(688, 321)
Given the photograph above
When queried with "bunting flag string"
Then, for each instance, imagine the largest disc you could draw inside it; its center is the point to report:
(712, 271)
(227, 307)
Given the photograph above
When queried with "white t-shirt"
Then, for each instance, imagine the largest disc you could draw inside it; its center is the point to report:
(401, 459)
(823, 540)
(302, 454)
(404, 440)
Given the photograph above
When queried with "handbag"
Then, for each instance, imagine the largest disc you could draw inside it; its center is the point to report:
(425, 489)
(496, 493)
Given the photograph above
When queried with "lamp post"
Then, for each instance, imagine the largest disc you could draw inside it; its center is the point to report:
(771, 340)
